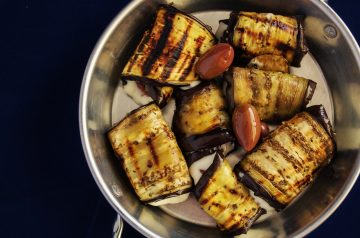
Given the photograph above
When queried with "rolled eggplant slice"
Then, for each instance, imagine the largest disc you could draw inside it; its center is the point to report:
(266, 33)
(275, 63)
(200, 110)
(150, 155)
(275, 95)
(225, 199)
(168, 51)
(281, 167)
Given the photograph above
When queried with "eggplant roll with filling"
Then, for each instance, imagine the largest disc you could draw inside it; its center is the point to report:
(168, 51)
(225, 199)
(288, 159)
(150, 156)
(201, 122)
(275, 95)
(266, 33)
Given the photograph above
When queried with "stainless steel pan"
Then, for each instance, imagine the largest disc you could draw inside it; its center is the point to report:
(335, 57)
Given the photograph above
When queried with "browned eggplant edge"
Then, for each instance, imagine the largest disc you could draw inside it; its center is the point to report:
(256, 188)
(318, 112)
(250, 222)
(170, 195)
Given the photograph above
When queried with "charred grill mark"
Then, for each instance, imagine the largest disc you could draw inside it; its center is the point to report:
(176, 54)
(134, 161)
(283, 182)
(278, 99)
(155, 157)
(300, 140)
(275, 145)
(273, 21)
(326, 142)
(268, 85)
(266, 175)
(253, 86)
(186, 72)
(160, 44)
(140, 48)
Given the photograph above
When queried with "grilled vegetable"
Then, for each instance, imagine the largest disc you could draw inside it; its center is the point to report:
(288, 159)
(225, 199)
(168, 51)
(265, 33)
(150, 155)
(200, 110)
(275, 95)
(275, 63)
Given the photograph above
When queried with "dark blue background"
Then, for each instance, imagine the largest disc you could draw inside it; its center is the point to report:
(46, 187)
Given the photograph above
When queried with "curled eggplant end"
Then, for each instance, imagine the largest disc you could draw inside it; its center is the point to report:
(258, 190)
(301, 49)
(309, 92)
(172, 198)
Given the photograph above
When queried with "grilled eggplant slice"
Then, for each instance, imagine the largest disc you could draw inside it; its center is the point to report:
(168, 51)
(275, 95)
(200, 110)
(150, 155)
(266, 33)
(275, 63)
(281, 167)
(225, 199)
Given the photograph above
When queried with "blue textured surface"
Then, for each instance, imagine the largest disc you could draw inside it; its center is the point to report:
(46, 187)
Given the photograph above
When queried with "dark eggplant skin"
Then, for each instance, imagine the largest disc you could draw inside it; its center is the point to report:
(318, 113)
(201, 185)
(300, 51)
(205, 141)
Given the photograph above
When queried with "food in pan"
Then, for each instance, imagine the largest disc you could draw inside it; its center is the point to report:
(266, 33)
(168, 51)
(280, 167)
(178, 50)
(225, 199)
(275, 95)
(151, 157)
(275, 63)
